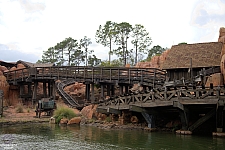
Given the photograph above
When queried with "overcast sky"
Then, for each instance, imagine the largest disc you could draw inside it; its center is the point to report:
(29, 27)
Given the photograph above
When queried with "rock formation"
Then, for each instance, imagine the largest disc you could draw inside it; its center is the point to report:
(155, 62)
(222, 39)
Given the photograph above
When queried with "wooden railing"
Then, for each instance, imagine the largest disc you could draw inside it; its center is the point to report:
(174, 95)
(151, 76)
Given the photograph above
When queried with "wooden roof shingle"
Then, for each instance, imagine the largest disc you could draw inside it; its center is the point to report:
(202, 55)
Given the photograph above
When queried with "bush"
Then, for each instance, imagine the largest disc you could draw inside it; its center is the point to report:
(19, 109)
(63, 112)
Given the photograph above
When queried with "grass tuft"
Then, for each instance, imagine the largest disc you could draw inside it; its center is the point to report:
(63, 112)
(19, 109)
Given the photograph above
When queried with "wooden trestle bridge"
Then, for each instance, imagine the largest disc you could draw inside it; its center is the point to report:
(156, 95)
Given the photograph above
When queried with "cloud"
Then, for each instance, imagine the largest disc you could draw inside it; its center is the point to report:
(14, 55)
(207, 17)
(31, 7)
(208, 12)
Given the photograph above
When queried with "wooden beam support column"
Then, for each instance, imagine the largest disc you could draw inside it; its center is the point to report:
(34, 96)
(87, 92)
(44, 89)
(108, 90)
(112, 90)
(121, 89)
(102, 92)
(92, 93)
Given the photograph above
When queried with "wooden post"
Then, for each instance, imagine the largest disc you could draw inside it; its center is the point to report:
(112, 90)
(44, 89)
(184, 118)
(121, 89)
(87, 92)
(53, 89)
(49, 88)
(102, 92)
(219, 119)
(21, 90)
(126, 89)
(34, 96)
(108, 89)
(92, 93)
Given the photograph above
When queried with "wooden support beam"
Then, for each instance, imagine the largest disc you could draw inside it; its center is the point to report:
(102, 92)
(44, 89)
(150, 119)
(108, 110)
(178, 105)
(34, 96)
(92, 93)
(202, 119)
(102, 110)
(141, 109)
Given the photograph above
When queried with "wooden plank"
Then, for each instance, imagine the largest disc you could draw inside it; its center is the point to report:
(154, 104)
(140, 109)
(198, 101)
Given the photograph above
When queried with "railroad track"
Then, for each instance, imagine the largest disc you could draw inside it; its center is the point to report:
(65, 96)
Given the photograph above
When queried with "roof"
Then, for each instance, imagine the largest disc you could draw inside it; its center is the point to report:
(201, 54)
(7, 64)
(29, 65)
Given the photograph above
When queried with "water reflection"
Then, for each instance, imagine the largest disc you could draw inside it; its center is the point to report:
(48, 136)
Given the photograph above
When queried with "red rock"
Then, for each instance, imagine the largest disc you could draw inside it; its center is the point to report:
(20, 66)
(134, 119)
(222, 32)
(87, 112)
(63, 121)
(3, 68)
(75, 120)
(215, 79)
(155, 62)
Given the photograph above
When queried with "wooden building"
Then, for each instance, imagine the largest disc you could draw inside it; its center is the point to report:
(186, 60)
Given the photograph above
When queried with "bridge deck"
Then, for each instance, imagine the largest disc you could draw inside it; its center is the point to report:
(149, 77)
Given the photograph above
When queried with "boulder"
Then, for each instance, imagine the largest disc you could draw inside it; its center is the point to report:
(3, 68)
(75, 120)
(134, 119)
(63, 121)
(20, 66)
(89, 111)
(155, 62)
(222, 32)
(215, 79)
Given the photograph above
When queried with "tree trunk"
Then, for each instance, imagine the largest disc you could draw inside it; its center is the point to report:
(136, 53)
(110, 48)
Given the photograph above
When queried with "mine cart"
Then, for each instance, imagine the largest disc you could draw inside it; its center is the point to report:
(47, 105)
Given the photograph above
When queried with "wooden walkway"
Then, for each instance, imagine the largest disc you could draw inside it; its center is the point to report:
(149, 77)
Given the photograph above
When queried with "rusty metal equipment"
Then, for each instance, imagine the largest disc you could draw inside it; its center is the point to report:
(47, 105)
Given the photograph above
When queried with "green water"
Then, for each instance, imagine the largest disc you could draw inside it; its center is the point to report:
(45, 136)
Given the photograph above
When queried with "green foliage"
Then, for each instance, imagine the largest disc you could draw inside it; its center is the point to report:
(114, 63)
(105, 34)
(141, 41)
(93, 60)
(155, 51)
(63, 112)
(69, 52)
(84, 43)
(108, 119)
(122, 34)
